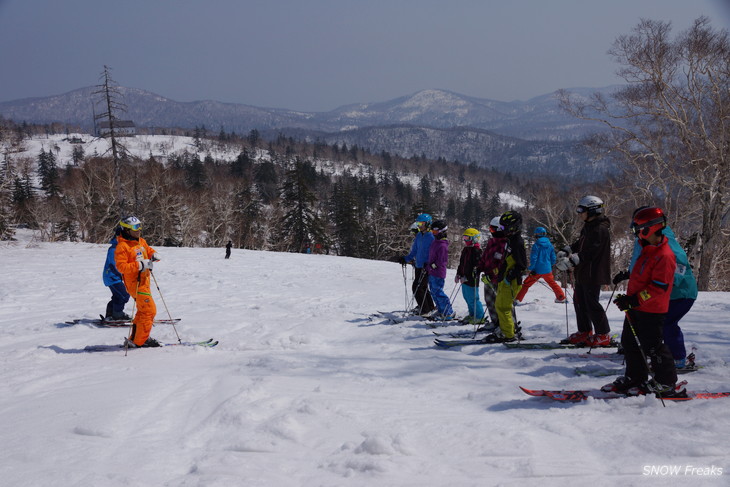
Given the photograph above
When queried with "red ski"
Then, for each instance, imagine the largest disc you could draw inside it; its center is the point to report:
(582, 395)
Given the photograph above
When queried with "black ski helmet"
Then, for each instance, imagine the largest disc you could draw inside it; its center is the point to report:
(439, 227)
(511, 221)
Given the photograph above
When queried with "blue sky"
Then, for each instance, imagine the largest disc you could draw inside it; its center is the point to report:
(316, 55)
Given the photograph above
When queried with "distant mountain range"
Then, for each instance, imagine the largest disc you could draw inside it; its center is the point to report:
(533, 135)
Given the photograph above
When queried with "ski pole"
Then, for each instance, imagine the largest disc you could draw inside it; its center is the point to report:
(514, 312)
(643, 355)
(611, 298)
(565, 288)
(418, 290)
(453, 292)
(474, 300)
(572, 283)
(405, 291)
(165, 304)
(131, 328)
(489, 303)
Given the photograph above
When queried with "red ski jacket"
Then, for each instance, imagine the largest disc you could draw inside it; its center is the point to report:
(652, 278)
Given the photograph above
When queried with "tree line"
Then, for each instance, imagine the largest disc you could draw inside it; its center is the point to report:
(285, 195)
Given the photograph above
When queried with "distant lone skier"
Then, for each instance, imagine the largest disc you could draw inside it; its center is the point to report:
(228, 249)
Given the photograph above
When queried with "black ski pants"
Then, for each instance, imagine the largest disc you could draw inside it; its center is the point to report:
(648, 327)
(589, 313)
(421, 292)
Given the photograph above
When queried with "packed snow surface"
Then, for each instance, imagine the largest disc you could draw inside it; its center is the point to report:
(308, 388)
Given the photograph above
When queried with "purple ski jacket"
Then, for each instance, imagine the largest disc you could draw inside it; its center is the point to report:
(438, 258)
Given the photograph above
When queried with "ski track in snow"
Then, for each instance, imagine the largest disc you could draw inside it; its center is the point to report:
(309, 388)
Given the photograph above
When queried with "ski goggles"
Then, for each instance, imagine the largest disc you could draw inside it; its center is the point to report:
(134, 226)
(644, 229)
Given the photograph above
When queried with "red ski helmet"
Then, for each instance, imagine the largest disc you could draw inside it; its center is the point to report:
(648, 221)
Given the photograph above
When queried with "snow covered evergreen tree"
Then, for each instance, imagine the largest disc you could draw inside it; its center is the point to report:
(301, 223)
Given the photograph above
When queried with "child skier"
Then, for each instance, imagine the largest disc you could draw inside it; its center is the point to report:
(684, 294)
(468, 275)
(134, 258)
(438, 258)
(510, 280)
(113, 280)
(542, 260)
(490, 263)
(419, 254)
(646, 303)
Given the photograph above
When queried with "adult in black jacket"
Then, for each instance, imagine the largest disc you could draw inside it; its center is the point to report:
(590, 259)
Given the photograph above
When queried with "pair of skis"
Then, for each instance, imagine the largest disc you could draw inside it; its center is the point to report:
(518, 344)
(602, 372)
(210, 343)
(563, 344)
(579, 395)
(103, 322)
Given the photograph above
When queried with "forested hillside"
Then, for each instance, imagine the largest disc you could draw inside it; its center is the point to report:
(204, 189)
(198, 189)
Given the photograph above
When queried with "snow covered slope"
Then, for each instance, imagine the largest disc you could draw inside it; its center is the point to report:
(308, 389)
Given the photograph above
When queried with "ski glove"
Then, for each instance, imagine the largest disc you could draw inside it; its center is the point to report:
(566, 261)
(625, 303)
(155, 258)
(145, 264)
(621, 276)
(563, 263)
(514, 275)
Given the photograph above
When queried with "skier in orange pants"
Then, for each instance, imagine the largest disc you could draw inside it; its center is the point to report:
(542, 260)
(134, 260)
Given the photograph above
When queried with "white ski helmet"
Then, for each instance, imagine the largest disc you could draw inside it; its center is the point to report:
(130, 223)
(494, 225)
(591, 204)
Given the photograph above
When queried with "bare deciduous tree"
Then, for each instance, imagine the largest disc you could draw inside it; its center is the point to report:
(111, 99)
(670, 128)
